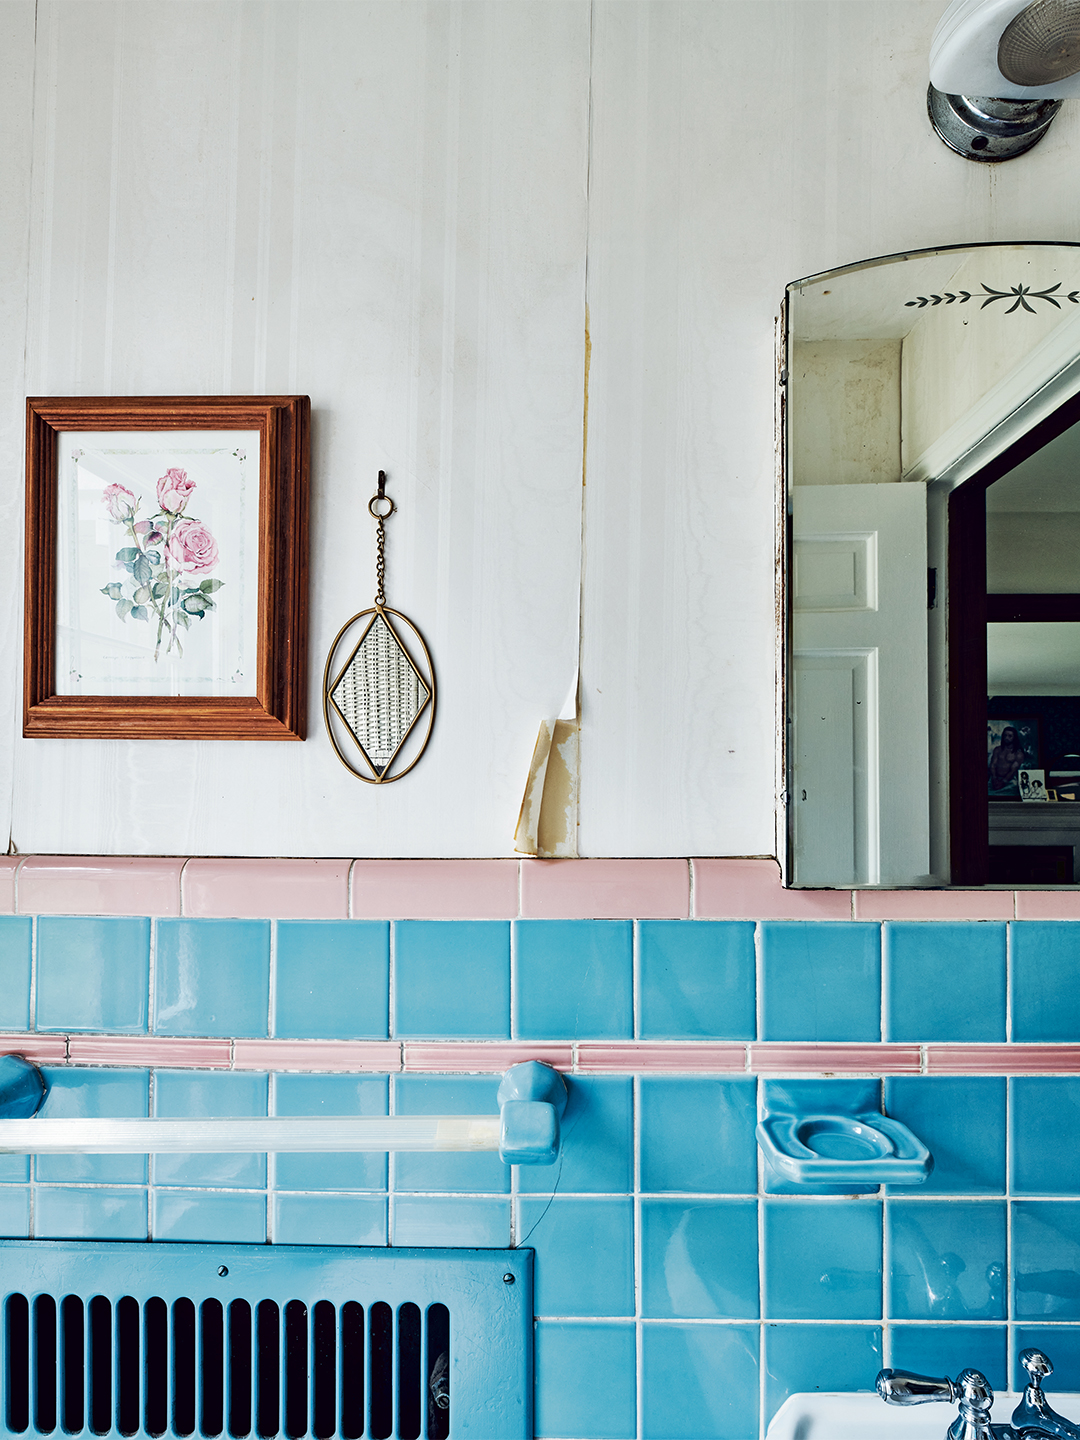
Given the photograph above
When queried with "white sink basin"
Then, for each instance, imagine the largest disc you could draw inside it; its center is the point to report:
(822, 1416)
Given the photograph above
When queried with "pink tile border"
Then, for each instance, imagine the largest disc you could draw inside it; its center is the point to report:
(1048, 904)
(468, 1057)
(44, 1049)
(605, 889)
(648, 1055)
(751, 890)
(318, 1055)
(181, 1051)
(274, 889)
(99, 885)
(434, 889)
(9, 864)
(779, 1059)
(1003, 1059)
(933, 904)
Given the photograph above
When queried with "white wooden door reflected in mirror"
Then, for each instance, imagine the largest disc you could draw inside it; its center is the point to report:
(908, 380)
(859, 667)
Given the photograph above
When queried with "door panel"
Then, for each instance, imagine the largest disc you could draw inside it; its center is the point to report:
(860, 744)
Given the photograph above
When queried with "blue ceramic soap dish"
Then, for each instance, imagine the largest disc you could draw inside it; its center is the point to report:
(837, 1149)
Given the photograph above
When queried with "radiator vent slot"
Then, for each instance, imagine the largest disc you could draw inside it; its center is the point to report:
(374, 1358)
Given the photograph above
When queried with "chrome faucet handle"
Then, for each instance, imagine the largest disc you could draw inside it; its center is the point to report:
(971, 1388)
(1034, 1411)
(904, 1387)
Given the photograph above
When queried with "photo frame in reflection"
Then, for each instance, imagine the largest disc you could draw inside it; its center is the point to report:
(1012, 745)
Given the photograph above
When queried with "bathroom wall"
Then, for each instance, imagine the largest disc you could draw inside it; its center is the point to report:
(679, 1291)
(413, 212)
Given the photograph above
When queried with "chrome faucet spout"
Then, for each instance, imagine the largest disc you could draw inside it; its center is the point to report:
(1033, 1419)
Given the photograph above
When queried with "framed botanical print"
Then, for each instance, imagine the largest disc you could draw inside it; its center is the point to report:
(166, 567)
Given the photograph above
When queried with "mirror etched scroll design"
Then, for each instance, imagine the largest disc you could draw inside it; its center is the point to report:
(915, 385)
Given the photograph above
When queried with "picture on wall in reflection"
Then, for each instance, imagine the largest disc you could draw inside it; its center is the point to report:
(1012, 745)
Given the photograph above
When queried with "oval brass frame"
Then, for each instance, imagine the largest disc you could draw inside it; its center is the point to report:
(385, 778)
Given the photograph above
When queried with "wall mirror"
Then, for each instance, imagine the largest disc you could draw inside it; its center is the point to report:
(931, 430)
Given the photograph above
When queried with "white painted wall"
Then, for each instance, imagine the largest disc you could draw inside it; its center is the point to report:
(401, 209)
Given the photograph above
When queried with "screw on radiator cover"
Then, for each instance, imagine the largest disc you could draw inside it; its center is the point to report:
(508, 1279)
(223, 1269)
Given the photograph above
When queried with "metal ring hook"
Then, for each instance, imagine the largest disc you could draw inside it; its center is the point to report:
(380, 499)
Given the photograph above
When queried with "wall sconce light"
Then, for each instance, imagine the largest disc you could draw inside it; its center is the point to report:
(999, 70)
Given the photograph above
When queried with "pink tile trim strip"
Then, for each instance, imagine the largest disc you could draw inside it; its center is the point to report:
(434, 889)
(751, 890)
(605, 889)
(1048, 904)
(450, 1057)
(179, 1050)
(652, 1056)
(933, 904)
(318, 1055)
(1003, 1059)
(835, 1059)
(276, 889)
(592, 1056)
(99, 885)
(9, 864)
(45, 1049)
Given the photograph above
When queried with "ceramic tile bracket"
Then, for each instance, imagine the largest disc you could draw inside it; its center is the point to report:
(532, 1098)
(822, 1149)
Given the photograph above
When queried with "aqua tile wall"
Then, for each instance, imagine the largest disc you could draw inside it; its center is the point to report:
(680, 1291)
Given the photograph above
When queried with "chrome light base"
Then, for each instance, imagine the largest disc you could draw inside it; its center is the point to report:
(981, 128)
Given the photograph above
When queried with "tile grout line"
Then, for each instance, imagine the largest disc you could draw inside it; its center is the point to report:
(639, 1332)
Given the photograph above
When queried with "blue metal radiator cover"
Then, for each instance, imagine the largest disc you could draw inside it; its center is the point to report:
(152, 1339)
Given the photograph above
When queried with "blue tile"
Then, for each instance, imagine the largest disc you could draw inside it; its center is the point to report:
(968, 1159)
(1046, 1260)
(584, 1255)
(452, 977)
(204, 1215)
(597, 1154)
(822, 1259)
(448, 1095)
(700, 1380)
(820, 980)
(187, 1094)
(14, 1212)
(332, 979)
(451, 1220)
(585, 1381)
(1061, 1343)
(92, 974)
(699, 1259)
(574, 978)
(1045, 963)
(947, 1259)
(212, 977)
(948, 1349)
(14, 1168)
(698, 1135)
(945, 980)
(69, 1212)
(15, 942)
(1043, 1110)
(696, 979)
(329, 1220)
(818, 1357)
(817, 1097)
(330, 1095)
(114, 1093)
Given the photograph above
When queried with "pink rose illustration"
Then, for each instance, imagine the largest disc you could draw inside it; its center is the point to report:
(191, 547)
(120, 503)
(173, 490)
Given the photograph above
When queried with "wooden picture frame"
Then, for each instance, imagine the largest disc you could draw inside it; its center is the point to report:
(267, 605)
